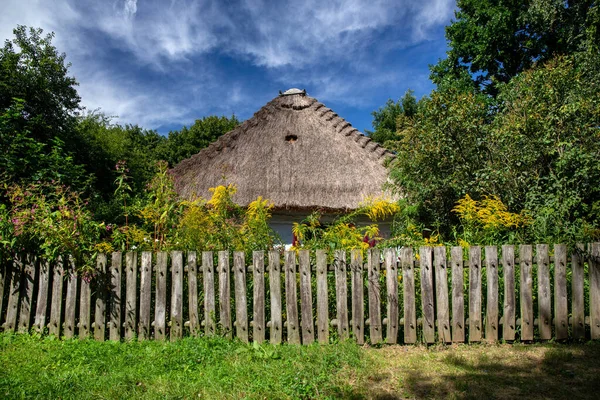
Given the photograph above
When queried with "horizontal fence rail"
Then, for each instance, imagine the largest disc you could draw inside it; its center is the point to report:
(434, 294)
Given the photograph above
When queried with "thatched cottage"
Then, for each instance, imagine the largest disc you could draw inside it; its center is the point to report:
(295, 152)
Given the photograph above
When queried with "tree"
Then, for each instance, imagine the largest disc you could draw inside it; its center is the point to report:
(385, 118)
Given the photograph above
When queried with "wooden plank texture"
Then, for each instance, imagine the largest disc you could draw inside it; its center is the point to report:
(176, 295)
(131, 275)
(308, 326)
(224, 295)
(594, 271)
(322, 299)
(258, 284)
(358, 304)
(276, 323)
(427, 293)
(100, 304)
(241, 302)
(4, 271)
(491, 308)
(14, 293)
(561, 312)
(210, 319)
(475, 323)
(458, 295)
(43, 268)
(577, 301)
(115, 296)
(391, 268)
(441, 294)
(544, 293)
(291, 298)
(145, 296)
(341, 294)
(27, 293)
(526, 283)
(160, 306)
(509, 306)
(373, 272)
(410, 308)
(71, 299)
(194, 319)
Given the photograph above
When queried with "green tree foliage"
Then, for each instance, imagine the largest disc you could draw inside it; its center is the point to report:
(386, 118)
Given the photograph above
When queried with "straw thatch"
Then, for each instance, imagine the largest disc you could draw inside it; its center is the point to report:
(295, 152)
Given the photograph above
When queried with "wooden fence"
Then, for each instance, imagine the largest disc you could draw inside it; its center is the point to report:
(394, 296)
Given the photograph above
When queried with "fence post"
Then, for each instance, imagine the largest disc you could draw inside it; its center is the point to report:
(441, 286)
(322, 299)
(491, 269)
(291, 298)
(375, 327)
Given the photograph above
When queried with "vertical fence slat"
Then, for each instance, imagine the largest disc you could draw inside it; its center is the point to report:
(561, 322)
(192, 265)
(458, 296)
(85, 306)
(4, 268)
(27, 293)
(374, 289)
(276, 326)
(322, 299)
(491, 309)
(544, 293)
(241, 302)
(56, 305)
(441, 294)
(131, 273)
(176, 295)
(210, 319)
(100, 306)
(408, 281)
(13, 295)
(525, 255)
(71, 299)
(475, 324)
(427, 293)
(341, 294)
(224, 294)
(308, 328)
(42, 296)
(577, 301)
(145, 296)
(358, 305)
(291, 298)
(115, 296)
(161, 296)
(258, 283)
(594, 271)
(391, 268)
(509, 306)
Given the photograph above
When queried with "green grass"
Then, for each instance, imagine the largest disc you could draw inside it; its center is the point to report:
(36, 367)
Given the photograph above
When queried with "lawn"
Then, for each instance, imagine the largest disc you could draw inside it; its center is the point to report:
(34, 367)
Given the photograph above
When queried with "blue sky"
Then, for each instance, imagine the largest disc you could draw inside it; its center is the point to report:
(163, 64)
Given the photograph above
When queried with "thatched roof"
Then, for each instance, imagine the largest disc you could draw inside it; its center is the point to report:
(295, 152)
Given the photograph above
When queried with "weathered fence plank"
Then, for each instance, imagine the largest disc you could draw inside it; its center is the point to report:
(176, 295)
(192, 267)
(375, 331)
(458, 299)
(308, 327)
(42, 295)
(258, 283)
(427, 293)
(358, 305)
(145, 296)
(341, 294)
(100, 305)
(391, 269)
(241, 302)
(210, 319)
(131, 273)
(594, 270)
(71, 299)
(115, 296)
(13, 295)
(27, 293)
(3, 273)
(525, 255)
(291, 298)
(577, 301)
(544, 294)
(509, 306)
(491, 309)
(441, 294)
(224, 294)
(160, 307)
(408, 281)
(475, 325)
(276, 323)
(322, 299)
(561, 312)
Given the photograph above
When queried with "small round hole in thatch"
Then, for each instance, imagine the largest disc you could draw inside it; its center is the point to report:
(291, 138)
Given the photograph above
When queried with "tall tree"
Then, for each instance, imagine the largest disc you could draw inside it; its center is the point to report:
(385, 119)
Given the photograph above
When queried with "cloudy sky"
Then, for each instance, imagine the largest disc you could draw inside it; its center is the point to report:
(162, 64)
